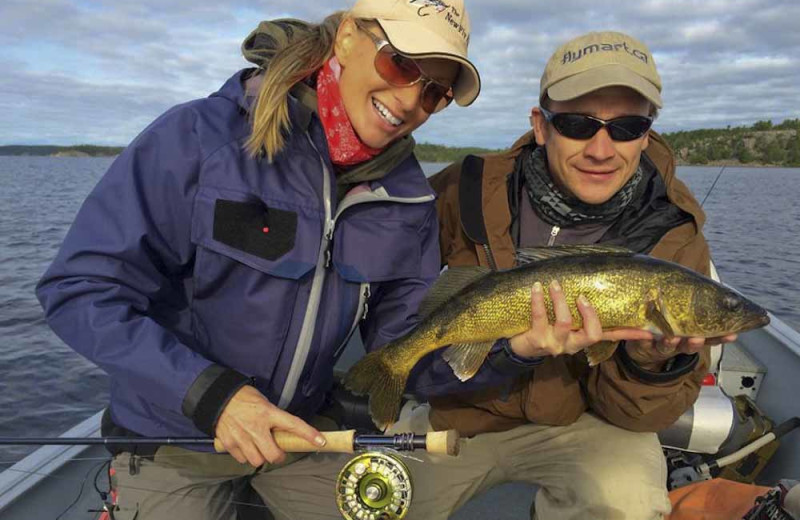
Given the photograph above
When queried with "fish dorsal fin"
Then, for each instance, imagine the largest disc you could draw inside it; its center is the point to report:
(466, 359)
(536, 254)
(449, 283)
(656, 313)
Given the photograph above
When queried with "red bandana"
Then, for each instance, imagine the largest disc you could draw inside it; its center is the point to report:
(345, 147)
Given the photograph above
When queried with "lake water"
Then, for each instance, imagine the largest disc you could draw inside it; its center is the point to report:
(45, 388)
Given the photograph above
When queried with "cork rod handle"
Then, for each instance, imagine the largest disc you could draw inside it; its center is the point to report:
(445, 442)
(339, 442)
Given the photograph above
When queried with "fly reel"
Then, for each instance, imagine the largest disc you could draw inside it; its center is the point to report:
(374, 486)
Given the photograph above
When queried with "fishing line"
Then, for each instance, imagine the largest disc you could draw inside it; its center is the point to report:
(99, 459)
(103, 494)
(712, 186)
(80, 491)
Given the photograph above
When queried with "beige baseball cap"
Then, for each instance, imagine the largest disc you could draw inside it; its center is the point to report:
(597, 60)
(427, 29)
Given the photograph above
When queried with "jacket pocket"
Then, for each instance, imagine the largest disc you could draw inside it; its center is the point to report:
(250, 293)
(254, 228)
(271, 236)
(373, 250)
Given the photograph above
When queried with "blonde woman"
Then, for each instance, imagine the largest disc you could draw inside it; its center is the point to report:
(233, 247)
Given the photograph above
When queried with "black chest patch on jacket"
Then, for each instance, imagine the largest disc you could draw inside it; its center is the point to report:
(254, 228)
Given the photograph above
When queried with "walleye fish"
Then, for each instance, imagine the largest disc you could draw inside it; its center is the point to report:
(469, 308)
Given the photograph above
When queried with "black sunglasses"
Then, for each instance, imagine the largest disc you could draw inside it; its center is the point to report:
(581, 126)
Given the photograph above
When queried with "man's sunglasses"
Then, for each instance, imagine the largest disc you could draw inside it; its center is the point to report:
(401, 71)
(581, 126)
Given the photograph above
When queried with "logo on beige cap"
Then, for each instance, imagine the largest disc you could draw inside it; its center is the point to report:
(452, 15)
(571, 57)
(597, 60)
(426, 5)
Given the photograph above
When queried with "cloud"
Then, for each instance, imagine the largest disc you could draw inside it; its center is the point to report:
(98, 71)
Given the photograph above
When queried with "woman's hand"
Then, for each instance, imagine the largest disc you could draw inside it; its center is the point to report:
(545, 339)
(245, 428)
(651, 354)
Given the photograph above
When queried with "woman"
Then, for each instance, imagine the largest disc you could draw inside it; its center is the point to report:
(233, 247)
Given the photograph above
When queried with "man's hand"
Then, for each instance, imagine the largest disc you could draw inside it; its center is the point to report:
(651, 355)
(245, 428)
(545, 339)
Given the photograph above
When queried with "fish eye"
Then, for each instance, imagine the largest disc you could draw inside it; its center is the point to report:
(732, 303)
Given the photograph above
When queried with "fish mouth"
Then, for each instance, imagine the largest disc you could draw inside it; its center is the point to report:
(762, 320)
(753, 322)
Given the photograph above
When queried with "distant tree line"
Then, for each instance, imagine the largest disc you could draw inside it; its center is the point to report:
(46, 150)
(445, 154)
(763, 143)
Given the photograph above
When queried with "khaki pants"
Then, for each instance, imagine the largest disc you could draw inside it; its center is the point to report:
(180, 484)
(589, 469)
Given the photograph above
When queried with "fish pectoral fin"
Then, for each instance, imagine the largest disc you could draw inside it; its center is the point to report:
(600, 351)
(655, 313)
(466, 358)
(448, 285)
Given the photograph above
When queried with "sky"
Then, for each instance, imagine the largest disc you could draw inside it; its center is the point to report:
(98, 71)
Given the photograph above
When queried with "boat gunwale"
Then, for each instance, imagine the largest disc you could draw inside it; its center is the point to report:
(42, 463)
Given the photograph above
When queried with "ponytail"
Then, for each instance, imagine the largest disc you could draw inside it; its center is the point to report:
(291, 64)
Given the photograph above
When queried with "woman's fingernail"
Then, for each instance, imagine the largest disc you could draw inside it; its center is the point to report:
(320, 440)
(537, 287)
(555, 285)
(582, 300)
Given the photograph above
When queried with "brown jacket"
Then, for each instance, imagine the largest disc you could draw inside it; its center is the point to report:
(562, 388)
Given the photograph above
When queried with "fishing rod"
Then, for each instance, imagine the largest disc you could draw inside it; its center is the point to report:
(346, 441)
(712, 185)
(374, 484)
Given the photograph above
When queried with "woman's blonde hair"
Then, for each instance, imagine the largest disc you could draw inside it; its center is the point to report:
(291, 64)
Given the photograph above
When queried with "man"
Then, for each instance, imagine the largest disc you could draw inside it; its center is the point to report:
(589, 172)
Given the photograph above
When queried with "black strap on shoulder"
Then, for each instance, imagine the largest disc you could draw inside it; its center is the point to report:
(470, 197)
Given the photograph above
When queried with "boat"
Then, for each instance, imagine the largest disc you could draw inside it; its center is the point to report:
(762, 367)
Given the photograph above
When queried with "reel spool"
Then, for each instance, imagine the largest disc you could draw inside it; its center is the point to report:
(374, 486)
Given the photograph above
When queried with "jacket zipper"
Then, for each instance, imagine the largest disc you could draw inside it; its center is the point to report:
(361, 315)
(490, 257)
(553, 235)
(312, 308)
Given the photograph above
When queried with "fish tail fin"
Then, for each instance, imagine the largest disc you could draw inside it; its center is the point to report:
(372, 376)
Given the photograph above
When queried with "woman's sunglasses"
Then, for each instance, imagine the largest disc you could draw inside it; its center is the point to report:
(401, 71)
(581, 126)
